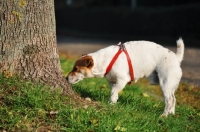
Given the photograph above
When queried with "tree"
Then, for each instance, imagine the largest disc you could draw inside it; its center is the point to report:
(133, 4)
(28, 41)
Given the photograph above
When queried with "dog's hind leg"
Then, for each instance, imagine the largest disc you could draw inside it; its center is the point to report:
(172, 108)
(115, 89)
(168, 85)
(170, 102)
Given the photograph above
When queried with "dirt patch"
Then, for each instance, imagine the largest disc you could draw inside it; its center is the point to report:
(75, 47)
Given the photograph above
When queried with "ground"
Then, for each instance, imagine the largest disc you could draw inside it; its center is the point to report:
(75, 47)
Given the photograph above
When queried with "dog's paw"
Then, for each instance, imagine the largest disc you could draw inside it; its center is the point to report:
(164, 115)
(112, 102)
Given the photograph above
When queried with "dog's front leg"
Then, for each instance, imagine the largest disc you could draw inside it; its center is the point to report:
(115, 89)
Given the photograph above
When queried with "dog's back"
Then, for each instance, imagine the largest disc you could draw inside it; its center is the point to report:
(147, 56)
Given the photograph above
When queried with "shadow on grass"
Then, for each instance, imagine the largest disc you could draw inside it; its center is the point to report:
(94, 94)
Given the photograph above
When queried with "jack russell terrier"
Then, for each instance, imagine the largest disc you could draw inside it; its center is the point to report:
(130, 61)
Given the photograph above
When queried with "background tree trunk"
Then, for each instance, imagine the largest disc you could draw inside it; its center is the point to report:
(28, 41)
(133, 4)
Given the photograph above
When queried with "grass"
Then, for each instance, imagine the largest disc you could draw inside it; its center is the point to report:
(25, 106)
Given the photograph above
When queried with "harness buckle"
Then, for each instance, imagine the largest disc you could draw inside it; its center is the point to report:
(121, 46)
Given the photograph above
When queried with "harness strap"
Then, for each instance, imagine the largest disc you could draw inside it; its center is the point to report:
(113, 61)
(122, 49)
(130, 66)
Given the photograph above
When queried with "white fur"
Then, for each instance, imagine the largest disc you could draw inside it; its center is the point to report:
(150, 60)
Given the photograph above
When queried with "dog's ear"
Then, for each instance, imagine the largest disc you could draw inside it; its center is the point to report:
(88, 63)
(85, 61)
(79, 63)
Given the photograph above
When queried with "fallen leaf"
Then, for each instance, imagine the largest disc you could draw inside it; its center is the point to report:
(156, 105)
(88, 99)
(7, 74)
(145, 95)
(103, 86)
(121, 92)
(93, 121)
(119, 128)
(53, 112)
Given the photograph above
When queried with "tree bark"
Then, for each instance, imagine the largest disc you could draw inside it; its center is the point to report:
(28, 41)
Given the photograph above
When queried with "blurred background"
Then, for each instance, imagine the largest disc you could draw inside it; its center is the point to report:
(124, 20)
(85, 26)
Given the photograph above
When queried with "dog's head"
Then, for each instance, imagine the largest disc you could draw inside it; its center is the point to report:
(82, 69)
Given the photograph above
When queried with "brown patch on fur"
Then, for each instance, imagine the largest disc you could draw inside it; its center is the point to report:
(85, 61)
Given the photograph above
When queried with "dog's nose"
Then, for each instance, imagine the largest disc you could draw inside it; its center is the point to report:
(67, 78)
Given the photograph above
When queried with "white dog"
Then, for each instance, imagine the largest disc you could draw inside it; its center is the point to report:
(148, 59)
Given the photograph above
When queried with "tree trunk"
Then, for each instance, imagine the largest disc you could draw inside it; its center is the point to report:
(28, 41)
(133, 4)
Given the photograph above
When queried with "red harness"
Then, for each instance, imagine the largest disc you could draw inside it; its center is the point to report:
(122, 49)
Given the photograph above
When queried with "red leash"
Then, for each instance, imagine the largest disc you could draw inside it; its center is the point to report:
(122, 49)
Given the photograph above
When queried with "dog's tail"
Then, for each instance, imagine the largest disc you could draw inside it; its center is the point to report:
(180, 49)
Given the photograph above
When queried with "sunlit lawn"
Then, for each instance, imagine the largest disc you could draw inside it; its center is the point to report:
(29, 107)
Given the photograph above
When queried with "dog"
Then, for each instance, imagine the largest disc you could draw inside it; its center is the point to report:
(148, 59)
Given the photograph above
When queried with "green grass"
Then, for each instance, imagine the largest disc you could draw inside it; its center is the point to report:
(25, 106)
